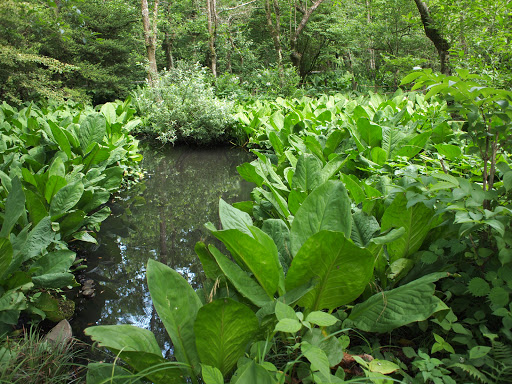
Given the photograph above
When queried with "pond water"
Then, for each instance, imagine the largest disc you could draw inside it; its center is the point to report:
(160, 218)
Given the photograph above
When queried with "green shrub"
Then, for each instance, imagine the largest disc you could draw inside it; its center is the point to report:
(182, 106)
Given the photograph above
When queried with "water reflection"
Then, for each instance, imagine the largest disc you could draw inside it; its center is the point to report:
(161, 218)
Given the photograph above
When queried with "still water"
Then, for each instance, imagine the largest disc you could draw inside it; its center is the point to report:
(160, 218)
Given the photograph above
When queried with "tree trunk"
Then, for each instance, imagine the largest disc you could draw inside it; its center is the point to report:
(150, 36)
(296, 56)
(211, 6)
(442, 45)
(276, 35)
(169, 38)
(371, 51)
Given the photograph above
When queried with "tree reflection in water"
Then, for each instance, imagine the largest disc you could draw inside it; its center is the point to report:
(161, 218)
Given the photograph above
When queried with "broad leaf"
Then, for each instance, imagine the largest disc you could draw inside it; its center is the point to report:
(388, 310)
(54, 262)
(92, 130)
(317, 358)
(364, 228)
(326, 208)
(278, 230)
(244, 284)
(14, 207)
(369, 132)
(416, 221)
(177, 304)
(261, 258)
(210, 267)
(223, 329)
(232, 218)
(5, 255)
(138, 347)
(54, 280)
(252, 373)
(308, 173)
(66, 198)
(106, 373)
(39, 238)
(124, 338)
(341, 269)
(211, 375)
(414, 146)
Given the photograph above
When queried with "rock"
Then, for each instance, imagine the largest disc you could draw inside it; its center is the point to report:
(61, 333)
(88, 292)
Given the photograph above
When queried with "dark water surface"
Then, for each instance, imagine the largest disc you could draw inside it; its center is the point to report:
(161, 218)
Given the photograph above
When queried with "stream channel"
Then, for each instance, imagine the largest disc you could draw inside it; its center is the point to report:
(161, 218)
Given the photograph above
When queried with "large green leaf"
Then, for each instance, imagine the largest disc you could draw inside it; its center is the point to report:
(369, 132)
(177, 304)
(233, 218)
(414, 146)
(107, 373)
(210, 267)
(388, 310)
(113, 178)
(250, 173)
(14, 207)
(39, 238)
(308, 173)
(53, 185)
(364, 227)
(280, 233)
(124, 338)
(66, 198)
(416, 221)
(5, 255)
(138, 347)
(326, 208)
(36, 206)
(333, 166)
(252, 373)
(92, 130)
(260, 257)
(54, 280)
(244, 284)
(61, 138)
(392, 140)
(223, 329)
(341, 269)
(54, 262)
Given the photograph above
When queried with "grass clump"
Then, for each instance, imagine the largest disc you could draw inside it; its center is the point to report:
(30, 359)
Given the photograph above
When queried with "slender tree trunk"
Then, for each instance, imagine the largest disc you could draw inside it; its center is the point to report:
(371, 51)
(169, 38)
(150, 36)
(211, 6)
(442, 45)
(276, 35)
(296, 56)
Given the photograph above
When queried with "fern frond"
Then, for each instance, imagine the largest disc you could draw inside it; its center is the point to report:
(472, 371)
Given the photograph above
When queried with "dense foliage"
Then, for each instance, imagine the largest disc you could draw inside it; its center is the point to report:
(59, 165)
(376, 219)
(96, 50)
(377, 241)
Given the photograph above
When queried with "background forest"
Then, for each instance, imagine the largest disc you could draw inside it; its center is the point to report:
(98, 50)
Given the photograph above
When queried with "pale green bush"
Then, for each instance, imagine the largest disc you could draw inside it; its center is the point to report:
(182, 106)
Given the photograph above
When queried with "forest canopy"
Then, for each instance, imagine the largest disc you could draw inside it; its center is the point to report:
(100, 50)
